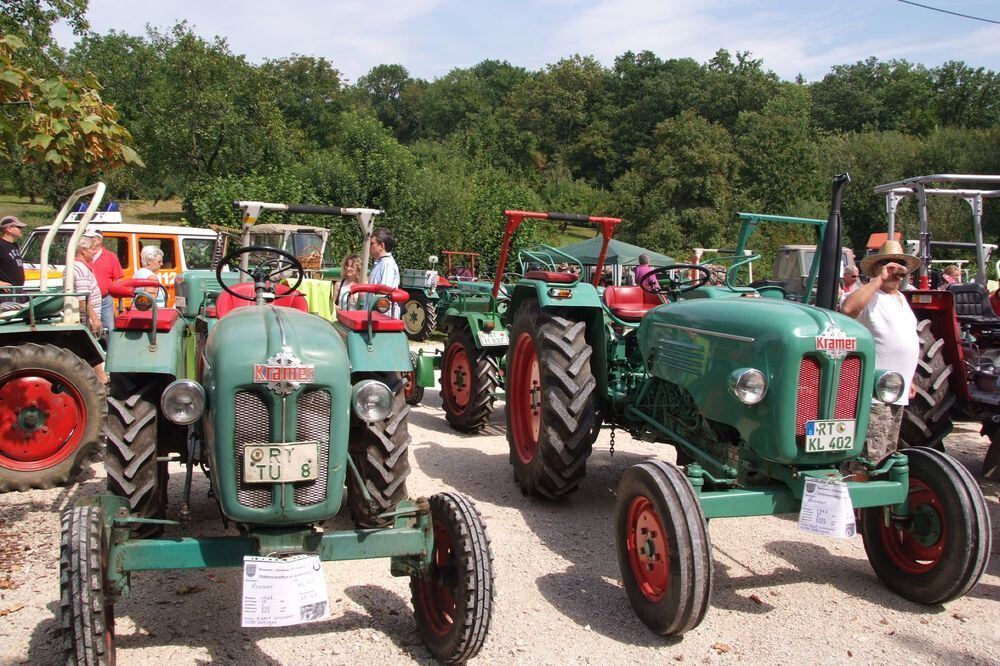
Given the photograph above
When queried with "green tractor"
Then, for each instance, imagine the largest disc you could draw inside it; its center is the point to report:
(282, 409)
(430, 291)
(52, 405)
(766, 401)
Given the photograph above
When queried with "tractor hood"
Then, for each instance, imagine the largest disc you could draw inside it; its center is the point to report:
(818, 365)
(276, 375)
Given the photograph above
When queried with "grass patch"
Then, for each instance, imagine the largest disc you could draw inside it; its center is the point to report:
(136, 212)
(575, 234)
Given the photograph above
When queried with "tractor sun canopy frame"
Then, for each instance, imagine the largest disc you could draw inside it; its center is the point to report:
(516, 217)
(918, 187)
(251, 212)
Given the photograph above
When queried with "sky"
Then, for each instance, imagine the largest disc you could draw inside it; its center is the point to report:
(432, 37)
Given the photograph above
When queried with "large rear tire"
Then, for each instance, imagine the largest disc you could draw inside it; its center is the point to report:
(940, 551)
(380, 451)
(453, 600)
(419, 316)
(469, 379)
(131, 465)
(550, 402)
(664, 549)
(927, 419)
(52, 407)
(86, 606)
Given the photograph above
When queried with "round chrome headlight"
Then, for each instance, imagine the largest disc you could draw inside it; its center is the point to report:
(183, 401)
(748, 385)
(889, 387)
(372, 400)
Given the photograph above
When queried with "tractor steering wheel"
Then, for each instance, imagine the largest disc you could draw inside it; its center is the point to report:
(665, 283)
(263, 273)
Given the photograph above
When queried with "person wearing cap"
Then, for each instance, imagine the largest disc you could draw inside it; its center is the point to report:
(11, 264)
(883, 310)
(107, 269)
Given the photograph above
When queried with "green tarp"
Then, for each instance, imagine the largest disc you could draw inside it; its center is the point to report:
(622, 254)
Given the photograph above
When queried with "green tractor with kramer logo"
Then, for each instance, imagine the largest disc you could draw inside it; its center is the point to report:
(766, 401)
(283, 410)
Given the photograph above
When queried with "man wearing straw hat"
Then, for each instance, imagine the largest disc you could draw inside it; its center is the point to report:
(883, 310)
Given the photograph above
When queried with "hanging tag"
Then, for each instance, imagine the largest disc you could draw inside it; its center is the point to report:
(278, 592)
(827, 509)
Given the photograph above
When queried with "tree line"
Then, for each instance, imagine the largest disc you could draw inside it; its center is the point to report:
(673, 146)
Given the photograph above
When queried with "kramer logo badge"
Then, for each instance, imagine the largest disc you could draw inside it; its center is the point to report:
(835, 343)
(283, 372)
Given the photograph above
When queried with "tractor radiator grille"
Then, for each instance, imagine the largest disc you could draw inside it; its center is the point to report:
(847, 391)
(253, 425)
(807, 404)
(313, 423)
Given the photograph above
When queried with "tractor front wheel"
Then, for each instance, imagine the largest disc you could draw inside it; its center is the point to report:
(419, 316)
(380, 451)
(550, 402)
(453, 598)
(939, 551)
(85, 603)
(927, 418)
(664, 550)
(51, 410)
(469, 377)
(133, 470)
(412, 391)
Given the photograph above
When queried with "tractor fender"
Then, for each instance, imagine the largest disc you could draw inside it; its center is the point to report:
(133, 351)
(74, 338)
(580, 295)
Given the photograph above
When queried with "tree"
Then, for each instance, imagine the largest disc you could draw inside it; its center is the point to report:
(308, 93)
(382, 89)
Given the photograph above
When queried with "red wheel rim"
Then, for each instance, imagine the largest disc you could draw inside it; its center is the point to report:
(437, 598)
(408, 385)
(526, 398)
(42, 419)
(458, 377)
(648, 553)
(917, 548)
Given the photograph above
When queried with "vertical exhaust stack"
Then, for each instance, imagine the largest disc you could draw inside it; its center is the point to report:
(830, 252)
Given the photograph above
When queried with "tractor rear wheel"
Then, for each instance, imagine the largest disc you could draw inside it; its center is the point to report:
(469, 377)
(938, 552)
(52, 407)
(86, 605)
(131, 465)
(927, 419)
(664, 549)
(550, 402)
(419, 316)
(453, 599)
(380, 451)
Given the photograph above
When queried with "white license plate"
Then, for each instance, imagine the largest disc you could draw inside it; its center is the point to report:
(493, 338)
(280, 463)
(829, 436)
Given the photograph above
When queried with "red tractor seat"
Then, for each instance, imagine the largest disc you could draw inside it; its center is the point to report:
(357, 320)
(286, 298)
(142, 320)
(551, 276)
(630, 303)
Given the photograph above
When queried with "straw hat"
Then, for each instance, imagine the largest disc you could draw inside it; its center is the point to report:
(893, 251)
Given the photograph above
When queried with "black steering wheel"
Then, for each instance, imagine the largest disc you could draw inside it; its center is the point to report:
(666, 281)
(262, 273)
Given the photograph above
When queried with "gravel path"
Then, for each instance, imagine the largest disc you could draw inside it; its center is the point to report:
(781, 596)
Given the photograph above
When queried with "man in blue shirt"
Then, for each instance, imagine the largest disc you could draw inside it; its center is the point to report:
(384, 270)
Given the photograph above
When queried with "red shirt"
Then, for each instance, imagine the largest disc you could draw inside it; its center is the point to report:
(107, 269)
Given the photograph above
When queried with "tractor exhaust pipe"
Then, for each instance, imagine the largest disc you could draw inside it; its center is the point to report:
(828, 282)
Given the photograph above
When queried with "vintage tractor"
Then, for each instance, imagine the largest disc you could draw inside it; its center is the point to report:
(767, 399)
(430, 291)
(958, 376)
(282, 409)
(52, 405)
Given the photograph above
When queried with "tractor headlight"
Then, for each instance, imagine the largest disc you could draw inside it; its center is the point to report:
(183, 401)
(142, 301)
(372, 400)
(889, 387)
(748, 385)
(383, 304)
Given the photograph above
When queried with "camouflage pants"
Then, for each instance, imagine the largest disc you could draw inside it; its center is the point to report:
(883, 431)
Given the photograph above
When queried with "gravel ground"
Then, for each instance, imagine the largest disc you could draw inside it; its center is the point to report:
(780, 596)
